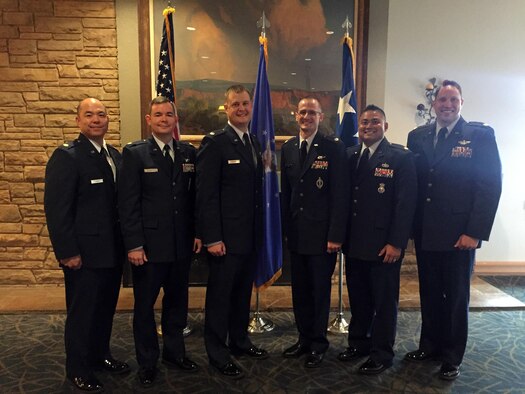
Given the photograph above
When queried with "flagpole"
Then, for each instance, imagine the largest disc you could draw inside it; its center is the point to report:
(339, 325)
(167, 89)
(257, 323)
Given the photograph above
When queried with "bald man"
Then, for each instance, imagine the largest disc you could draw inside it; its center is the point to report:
(81, 212)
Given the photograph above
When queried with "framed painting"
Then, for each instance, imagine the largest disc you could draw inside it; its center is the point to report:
(216, 45)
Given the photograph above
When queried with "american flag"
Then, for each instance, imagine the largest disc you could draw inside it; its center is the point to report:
(166, 75)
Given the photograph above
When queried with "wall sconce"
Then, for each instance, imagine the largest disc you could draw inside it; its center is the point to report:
(424, 110)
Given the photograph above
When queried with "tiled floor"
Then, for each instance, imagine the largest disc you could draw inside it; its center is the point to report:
(51, 298)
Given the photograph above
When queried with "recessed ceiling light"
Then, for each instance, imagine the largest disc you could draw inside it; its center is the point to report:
(205, 57)
(190, 28)
(308, 59)
(213, 72)
(293, 73)
(329, 32)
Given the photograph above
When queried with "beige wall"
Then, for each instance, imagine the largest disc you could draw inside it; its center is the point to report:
(52, 54)
(128, 65)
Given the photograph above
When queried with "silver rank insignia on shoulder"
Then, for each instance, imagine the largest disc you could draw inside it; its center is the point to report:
(385, 165)
(381, 188)
(319, 183)
(463, 142)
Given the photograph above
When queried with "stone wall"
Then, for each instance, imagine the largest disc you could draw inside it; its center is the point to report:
(52, 55)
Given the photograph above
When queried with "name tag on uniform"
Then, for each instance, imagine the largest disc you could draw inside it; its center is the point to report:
(95, 181)
(234, 161)
(188, 167)
(146, 170)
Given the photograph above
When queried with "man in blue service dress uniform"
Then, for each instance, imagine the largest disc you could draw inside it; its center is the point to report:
(382, 203)
(81, 210)
(229, 182)
(459, 181)
(156, 205)
(314, 209)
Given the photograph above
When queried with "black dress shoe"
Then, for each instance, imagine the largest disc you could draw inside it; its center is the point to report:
(252, 351)
(418, 355)
(184, 364)
(448, 371)
(114, 366)
(147, 376)
(87, 384)
(371, 367)
(314, 359)
(295, 351)
(230, 370)
(351, 353)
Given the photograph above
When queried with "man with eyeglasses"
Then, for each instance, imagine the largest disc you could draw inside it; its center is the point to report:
(314, 190)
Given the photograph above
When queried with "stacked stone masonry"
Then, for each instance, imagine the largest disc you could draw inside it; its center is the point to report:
(52, 55)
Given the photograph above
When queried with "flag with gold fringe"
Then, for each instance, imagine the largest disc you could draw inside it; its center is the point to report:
(166, 75)
(269, 259)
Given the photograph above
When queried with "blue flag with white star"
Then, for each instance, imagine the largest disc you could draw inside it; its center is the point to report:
(166, 73)
(270, 258)
(346, 128)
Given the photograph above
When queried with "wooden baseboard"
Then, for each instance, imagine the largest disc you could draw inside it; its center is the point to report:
(500, 268)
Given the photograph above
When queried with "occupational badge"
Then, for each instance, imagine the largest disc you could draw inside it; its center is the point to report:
(319, 183)
(381, 188)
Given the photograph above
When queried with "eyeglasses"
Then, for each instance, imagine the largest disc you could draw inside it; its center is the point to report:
(309, 112)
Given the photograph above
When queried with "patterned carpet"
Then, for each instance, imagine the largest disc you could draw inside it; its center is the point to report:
(32, 359)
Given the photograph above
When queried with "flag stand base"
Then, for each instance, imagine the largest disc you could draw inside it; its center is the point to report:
(338, 325)
(186, 332)
(257, 324)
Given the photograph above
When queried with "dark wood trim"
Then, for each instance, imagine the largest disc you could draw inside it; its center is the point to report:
(144, 61)
(363, 12)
